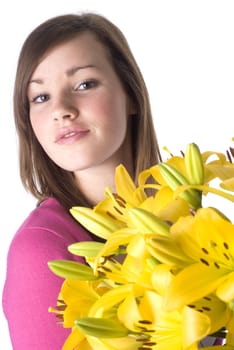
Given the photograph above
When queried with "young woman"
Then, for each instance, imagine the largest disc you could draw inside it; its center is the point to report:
(81, 108)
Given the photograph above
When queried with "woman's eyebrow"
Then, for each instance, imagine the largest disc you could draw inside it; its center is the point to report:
(37, 81)
(73, 70)
(69, 72)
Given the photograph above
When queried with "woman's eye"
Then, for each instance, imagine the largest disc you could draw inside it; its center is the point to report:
(40, 99)
(86, 85)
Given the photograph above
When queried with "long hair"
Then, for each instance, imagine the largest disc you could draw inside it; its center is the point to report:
(39, 174)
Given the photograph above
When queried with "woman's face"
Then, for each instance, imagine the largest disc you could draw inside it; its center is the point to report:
(78, 108)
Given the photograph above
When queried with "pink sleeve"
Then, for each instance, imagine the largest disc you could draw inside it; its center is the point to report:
(31, 288)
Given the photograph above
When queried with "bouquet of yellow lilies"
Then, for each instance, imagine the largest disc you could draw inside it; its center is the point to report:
(163, 277)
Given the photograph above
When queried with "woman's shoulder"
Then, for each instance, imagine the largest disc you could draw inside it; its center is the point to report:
(30, 285)
(48, 211)
(51, 217)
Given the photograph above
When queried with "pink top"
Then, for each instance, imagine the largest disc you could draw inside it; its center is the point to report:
(30, 287)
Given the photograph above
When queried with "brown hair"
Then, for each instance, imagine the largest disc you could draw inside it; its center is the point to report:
(39, 174)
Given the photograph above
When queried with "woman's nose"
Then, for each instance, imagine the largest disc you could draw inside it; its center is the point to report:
(64, 109)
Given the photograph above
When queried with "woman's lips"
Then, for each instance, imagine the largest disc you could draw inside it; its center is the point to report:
(71, 136)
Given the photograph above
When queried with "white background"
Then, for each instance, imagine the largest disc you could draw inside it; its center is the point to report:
(185, 50)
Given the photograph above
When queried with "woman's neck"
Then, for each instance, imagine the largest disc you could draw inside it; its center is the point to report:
(93, 182)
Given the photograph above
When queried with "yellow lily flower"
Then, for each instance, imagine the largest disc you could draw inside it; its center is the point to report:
(126, 188)
(228, 184)
(163, 330)
(135, 266)
(208, 239)
(83, 299)
(75, 300)
(127, 196)
(76, 340)
(124, 343)
(218, 167)
(164, 278)
(169, 208)
(78, 296)
(175, 173)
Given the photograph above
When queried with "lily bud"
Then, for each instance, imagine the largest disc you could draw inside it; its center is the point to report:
(101, 327)
(72, 270)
